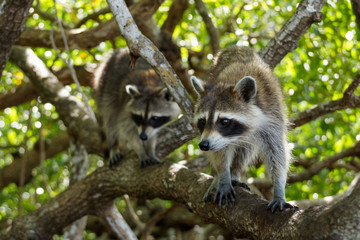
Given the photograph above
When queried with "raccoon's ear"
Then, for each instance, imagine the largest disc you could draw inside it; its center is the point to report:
(132, 90)
(246, 87)
(166, 94)
(198, 85)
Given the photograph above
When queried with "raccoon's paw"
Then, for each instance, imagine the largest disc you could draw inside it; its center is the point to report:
(115, 160)
(225, 193)
(240, 184)
(149, 162)
(281, 205)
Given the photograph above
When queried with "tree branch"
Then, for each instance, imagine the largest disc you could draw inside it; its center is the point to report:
(9, 174)
(287, 38)
(48, 16)
(175, 14)
(89, 38)
(71, 110)
(26, 91)
(356, 10)
(94, 16)
(79, 168)
(210, 27)
(312, 170)
(349, 100)
(113, 218)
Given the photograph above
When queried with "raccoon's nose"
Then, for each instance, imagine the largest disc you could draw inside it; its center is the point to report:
(143, 136)
(204, 145)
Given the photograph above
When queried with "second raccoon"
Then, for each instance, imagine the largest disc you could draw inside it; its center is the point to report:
(133, 105)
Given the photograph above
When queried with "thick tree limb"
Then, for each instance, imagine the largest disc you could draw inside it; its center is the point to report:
(140, 45)
(210, 27)
(177, 183)
(287, 39)
(13, 15)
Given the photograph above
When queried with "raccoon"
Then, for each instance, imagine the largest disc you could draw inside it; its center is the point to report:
(241, 118)
(133, 105)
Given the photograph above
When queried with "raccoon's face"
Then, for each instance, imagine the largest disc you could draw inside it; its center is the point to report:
(150, 111)
(226, 115)
(220, 129)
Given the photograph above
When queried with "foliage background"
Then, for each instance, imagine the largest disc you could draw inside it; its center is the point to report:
(324, 64)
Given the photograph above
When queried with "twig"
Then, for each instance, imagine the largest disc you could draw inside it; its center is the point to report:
(10, 146)
(349, 92)
(43, 154)
(227, 26)
(94, 16)
(48, 16)
(134, 217)
(157, 217)
(23, 164)
(69, 63)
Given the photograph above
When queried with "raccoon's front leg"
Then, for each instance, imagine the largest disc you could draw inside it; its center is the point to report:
(221, 185)
(148, 157)
(279, 201)
(277, 161)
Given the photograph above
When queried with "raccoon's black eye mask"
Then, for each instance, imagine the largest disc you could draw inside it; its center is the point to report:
(138, 119)
(228, 127)
(201, 124)
(156, 122)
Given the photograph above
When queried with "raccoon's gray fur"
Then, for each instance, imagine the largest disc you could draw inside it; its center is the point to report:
(241, 118)
(133, 105)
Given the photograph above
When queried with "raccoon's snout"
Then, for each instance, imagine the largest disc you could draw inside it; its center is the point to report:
(204, 145)
(143, 136)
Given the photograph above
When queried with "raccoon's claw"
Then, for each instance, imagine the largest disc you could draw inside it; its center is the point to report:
(225, 192)
(240, 184)
(149, 162)
(281, 205)
(207, 195)
(115, 160)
